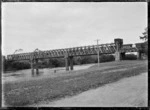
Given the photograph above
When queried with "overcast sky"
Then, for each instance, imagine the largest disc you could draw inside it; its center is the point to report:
(56, 25)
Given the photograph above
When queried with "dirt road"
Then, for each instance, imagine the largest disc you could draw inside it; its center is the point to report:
(130, 92)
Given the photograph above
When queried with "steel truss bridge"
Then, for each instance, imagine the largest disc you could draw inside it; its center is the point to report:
(75, 51)
(116, 48)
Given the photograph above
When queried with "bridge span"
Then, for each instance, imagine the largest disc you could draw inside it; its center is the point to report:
(116, 48)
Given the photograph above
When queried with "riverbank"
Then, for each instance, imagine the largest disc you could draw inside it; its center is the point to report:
(25, 93)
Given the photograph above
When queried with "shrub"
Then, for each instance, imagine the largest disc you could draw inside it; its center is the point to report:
(130, 57)
(10, 65)
(106, 58)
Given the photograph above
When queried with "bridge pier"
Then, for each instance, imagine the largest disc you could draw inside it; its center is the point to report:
(117, 56)
(139, 57)
(32, 68)
(68, 62)
(140, 46)
(71, 62)
(118, 43)
(36, 66)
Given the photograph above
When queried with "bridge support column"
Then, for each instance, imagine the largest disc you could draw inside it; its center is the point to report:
(67, 62)
(139, 55)
(117, 56)
(118, 43)
(32, 68)
(37, 68)
(71, 62)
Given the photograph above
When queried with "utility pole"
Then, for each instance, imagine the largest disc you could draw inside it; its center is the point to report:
(98, 51)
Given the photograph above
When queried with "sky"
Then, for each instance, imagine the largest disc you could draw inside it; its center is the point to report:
(56, 25)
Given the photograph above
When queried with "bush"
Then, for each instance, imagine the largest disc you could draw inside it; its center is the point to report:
(84, 59)
(130, 57)
(11, 66)
(106, 58)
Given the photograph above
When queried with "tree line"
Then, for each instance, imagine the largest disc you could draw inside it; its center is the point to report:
(60, 62)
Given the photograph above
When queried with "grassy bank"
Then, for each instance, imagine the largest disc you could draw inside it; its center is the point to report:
(34, 91)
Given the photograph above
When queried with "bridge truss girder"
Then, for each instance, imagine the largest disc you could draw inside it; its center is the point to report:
(77, 51)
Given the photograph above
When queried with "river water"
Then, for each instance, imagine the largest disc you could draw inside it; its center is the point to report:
(23, 75)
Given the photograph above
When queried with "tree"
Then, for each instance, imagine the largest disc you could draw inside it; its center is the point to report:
(145, 35)
(145, 44)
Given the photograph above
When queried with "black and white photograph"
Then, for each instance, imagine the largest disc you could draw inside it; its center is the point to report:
(74, 54)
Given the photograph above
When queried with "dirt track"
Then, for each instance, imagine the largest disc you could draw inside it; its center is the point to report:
(128, 92)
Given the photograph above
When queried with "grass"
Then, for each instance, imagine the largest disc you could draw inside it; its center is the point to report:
(49, 89)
